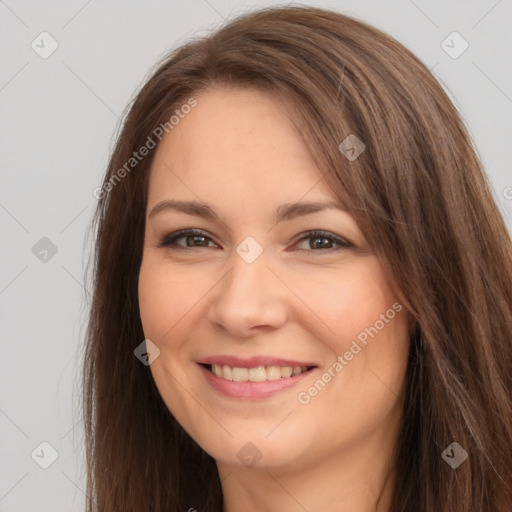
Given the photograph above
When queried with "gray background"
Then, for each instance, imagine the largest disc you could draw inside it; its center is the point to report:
(58, 116)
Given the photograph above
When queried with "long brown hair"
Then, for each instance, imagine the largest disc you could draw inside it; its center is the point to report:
(419, 195)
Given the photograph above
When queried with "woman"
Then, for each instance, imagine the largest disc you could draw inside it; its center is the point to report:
(301, 285)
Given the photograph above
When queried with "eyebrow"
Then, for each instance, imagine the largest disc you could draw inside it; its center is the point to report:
(284, 212)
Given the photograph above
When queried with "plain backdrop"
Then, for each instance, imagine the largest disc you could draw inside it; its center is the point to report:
(58, 115)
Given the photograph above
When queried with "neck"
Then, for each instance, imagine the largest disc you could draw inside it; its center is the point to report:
(359, 478)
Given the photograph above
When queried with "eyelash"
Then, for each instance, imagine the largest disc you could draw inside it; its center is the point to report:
(170, 239)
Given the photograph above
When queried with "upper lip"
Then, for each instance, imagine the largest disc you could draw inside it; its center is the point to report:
(253, 362)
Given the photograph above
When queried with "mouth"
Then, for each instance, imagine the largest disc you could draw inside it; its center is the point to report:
(256, 373)
(253, 378)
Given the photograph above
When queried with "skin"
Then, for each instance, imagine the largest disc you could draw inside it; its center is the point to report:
(238, 151)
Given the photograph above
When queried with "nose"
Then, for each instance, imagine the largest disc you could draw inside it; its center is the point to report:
(249, 299)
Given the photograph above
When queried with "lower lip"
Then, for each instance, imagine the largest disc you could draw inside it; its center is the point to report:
(250, 389)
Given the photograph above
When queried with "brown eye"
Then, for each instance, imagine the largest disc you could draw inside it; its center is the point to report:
(321, 241)
(193, 237)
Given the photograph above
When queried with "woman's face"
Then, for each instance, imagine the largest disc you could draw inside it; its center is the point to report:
(259, 298)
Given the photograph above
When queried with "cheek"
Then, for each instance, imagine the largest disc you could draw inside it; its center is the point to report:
(358, 317)
(345, 302)
(163, 300)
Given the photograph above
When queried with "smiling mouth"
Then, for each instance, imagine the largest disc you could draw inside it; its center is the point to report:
(257, 373)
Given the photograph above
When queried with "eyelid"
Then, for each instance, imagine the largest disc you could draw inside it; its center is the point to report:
(318, 233)
(170, 238)
(168, 241)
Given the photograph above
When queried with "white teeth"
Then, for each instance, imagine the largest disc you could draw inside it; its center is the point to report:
(256, 374)
(286, 371)
(240, 374)
(227, 372)
(217, 370)
(273, 372)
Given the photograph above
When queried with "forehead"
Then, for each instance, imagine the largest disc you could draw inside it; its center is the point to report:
(236, 143)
